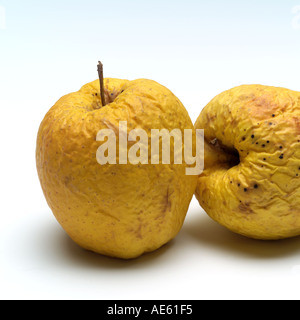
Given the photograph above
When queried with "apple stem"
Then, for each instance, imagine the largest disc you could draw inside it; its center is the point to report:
(100, 72)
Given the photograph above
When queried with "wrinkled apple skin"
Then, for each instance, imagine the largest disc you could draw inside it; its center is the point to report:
(117, 210)
(251, 182)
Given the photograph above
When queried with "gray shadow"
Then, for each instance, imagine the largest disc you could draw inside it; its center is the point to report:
(205, 231)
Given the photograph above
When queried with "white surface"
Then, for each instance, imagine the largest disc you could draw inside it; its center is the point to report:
(38, 261)
(195, 48)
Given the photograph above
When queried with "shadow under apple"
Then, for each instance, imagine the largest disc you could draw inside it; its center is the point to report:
(202, 229)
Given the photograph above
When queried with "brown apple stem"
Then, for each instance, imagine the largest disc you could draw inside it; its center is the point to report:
(100, 72)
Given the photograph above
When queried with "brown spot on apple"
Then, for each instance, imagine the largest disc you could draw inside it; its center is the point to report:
(245, 208)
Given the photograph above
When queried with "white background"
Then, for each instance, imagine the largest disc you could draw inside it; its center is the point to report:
(195, 48)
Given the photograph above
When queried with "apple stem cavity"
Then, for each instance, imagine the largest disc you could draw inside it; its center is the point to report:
(100, 72)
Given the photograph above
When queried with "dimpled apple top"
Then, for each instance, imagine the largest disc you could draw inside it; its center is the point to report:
(117, 210)
(251, 184)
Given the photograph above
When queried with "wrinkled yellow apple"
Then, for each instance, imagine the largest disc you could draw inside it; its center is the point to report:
(251, 182)
(116, 210)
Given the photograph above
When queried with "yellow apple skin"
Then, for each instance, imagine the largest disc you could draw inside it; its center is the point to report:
(121, 211)
(258, 197)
